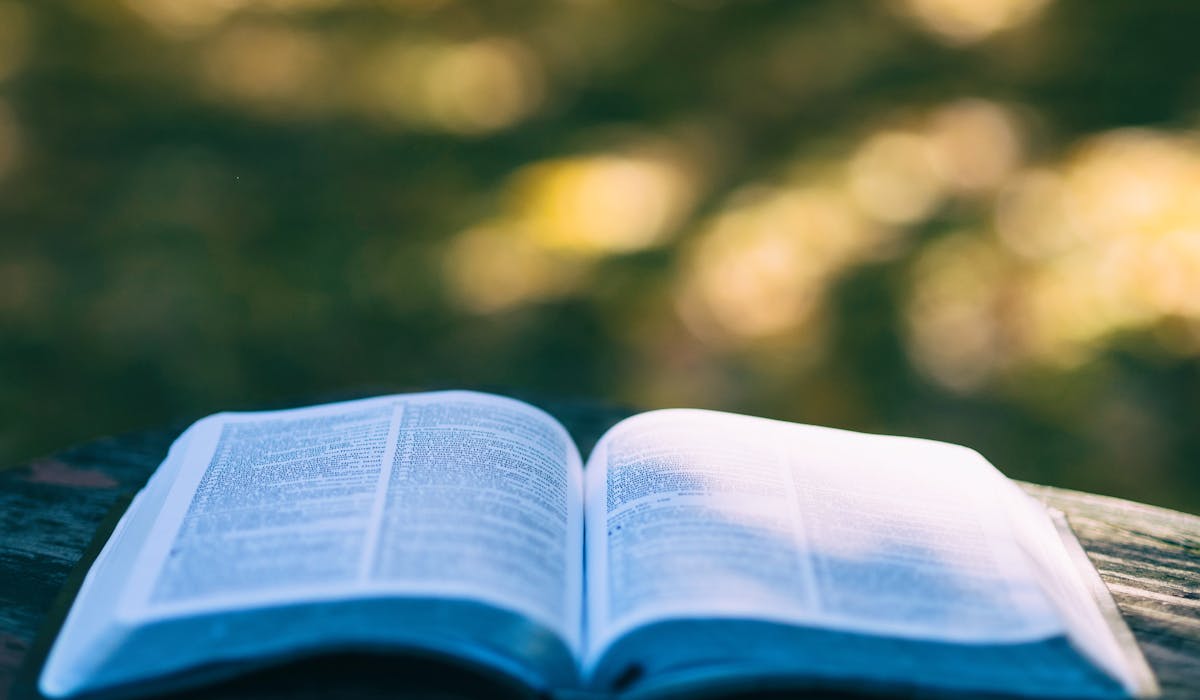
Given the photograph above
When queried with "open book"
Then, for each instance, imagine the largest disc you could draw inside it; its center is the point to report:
(696, 550)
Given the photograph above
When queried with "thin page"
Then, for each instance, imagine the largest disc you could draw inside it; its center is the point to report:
(1093, 621)
(697, 514)
(443, 494)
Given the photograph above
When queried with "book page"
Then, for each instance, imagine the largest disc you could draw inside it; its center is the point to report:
(485, 499)
(450, 494)
(697, 514)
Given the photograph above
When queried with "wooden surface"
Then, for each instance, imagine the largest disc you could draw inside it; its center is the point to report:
(1150, 559)
(52, 508)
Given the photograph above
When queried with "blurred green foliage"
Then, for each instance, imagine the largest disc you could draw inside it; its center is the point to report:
(749, 206)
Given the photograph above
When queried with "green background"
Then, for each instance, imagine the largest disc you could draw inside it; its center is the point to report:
(746, 206)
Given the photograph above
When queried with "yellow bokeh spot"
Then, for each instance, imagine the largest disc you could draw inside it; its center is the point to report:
(1106, 241)
(975, 144)
(472, 87)
(1033, 216)
(560, 217)
(267, 65)
(180, 19)
(954, 320)
(968, 21)
(761, 268)
(1169, 278)
(1064, 309)
(894, 177)
(483, 86)
(495, 267)
(602, 204)
(16, 29)
(1135, 181)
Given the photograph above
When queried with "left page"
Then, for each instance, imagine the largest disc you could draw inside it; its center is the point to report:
(447, 521)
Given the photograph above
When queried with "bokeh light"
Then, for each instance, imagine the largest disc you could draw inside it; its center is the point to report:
(268, 66)
(178, 18)
(499, 266)
(975, 145)
(955, 311)
(16, 37)
(602, 204)
(470, 87)
(1106, 241)
(894, 177)
(184, 19)
(560, 217)
(969, 21)
(762, 266)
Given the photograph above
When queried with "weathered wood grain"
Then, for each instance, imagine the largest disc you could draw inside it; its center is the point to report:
(1150, 559)
(50, 511)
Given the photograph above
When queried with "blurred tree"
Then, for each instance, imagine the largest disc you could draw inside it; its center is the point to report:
(972, 220)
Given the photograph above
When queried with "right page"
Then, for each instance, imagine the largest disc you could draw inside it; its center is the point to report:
(724, 545)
